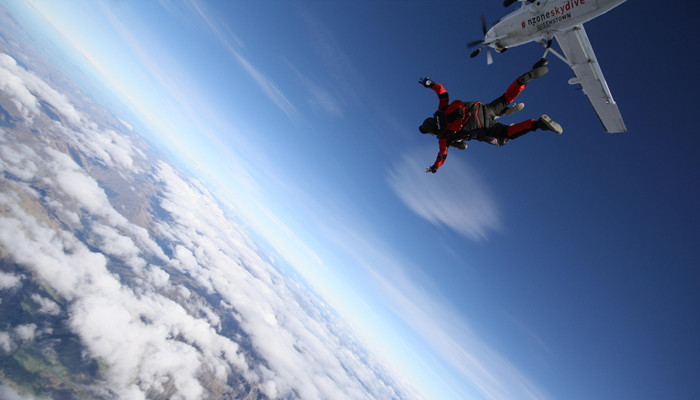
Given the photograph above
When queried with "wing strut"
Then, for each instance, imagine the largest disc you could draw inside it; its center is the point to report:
(548, 49)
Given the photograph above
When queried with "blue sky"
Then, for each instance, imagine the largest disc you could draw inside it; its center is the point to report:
(554, 267)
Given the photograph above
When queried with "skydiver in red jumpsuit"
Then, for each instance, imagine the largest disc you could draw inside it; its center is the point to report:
(457, 122)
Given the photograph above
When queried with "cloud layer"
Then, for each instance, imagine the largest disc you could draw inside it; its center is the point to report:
(181, 303)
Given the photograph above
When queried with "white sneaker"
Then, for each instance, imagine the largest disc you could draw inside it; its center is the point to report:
(547, 123)
(512, 110)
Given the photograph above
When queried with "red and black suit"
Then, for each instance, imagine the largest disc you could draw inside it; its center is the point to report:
(458, 121)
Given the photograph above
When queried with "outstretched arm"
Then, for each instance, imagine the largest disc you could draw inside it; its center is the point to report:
(442, 155)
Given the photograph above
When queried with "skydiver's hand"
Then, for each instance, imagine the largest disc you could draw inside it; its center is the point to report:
(431, 168)
(427, 82)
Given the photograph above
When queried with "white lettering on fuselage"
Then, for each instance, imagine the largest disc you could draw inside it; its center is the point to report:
(555, 15)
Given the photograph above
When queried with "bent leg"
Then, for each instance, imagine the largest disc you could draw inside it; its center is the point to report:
(498, 106)
(513, 91)
(518, 85)
(545, 123)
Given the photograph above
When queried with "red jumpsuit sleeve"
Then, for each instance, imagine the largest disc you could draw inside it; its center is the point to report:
(442, 154)
(442, 94)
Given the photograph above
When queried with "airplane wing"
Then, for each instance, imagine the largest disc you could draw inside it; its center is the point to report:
(579, 53)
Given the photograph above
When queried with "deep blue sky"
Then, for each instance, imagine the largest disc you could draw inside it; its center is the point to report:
(559, 266)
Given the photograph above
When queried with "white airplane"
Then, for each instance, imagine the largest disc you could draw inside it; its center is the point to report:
(542, 20)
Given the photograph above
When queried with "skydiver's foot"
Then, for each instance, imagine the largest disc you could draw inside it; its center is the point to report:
(512, 110)
(542, 63)
(546, 123)
(534, 74)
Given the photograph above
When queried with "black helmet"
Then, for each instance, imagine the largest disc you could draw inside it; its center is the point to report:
(429, 126)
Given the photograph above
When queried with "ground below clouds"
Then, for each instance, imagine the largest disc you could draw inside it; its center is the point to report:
(122, 278)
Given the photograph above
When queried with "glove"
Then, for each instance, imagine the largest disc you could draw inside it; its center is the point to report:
(431, 168)
(426, 82)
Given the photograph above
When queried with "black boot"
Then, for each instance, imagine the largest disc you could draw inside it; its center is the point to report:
(542, 63)
(546, 123)
(538, 70)
(534, 74)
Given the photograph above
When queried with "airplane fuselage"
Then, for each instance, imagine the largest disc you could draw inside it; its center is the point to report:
(542, 19)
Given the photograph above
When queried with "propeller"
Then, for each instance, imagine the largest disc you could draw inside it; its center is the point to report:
(474, 43)
(483, 24)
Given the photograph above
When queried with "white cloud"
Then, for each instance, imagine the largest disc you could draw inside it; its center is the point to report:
(304, 353)
(109, 317)
(23, 87)
(46, 306)
(26, 89)
(16, 159)
(143, 336)
(5, 342)
(8, 393)
(25, 332)
(456, 196)
(121, 246)
(12, 84)
(132, 332)
(8, 281)
(73, 181)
